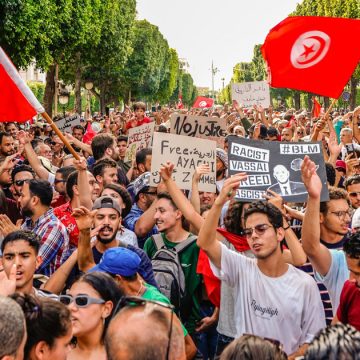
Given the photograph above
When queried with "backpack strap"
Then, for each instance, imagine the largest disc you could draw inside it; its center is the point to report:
(184, 244)
(158, 241)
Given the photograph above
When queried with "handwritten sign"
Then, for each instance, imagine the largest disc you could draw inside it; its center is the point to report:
(139, 137)
(252, 93)
(186, 153)
(210, 128)
(276, 166)
(67, 123)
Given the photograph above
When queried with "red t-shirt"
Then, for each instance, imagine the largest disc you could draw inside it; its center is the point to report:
(63, 213)
(349, 309)
(145, 120)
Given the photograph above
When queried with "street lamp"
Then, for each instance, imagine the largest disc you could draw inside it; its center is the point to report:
(63, 100)
(88, 86)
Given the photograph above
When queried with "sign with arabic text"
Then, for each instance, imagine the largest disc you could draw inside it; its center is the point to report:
(275, 166)
(252, 93)
(203, 127)
(186, 153)
(139, 137)
(67, 123)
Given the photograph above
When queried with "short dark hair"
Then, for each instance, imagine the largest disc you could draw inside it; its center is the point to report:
(330, 173)
(46, 320)
(334, 194)
(273, 214)
(42, 189)
(352, 246)
(22, 168)
(101, 165)
(2, 134)
(65, 171)
(232, 219)
(79, 127)
(352, 180)
(165, 195)
(342, 340)
(125, 196)
(100, 143)
(139, 105)
(30, 237)
(122, 138)
(71, 181)
(7, 124)
(141, 155)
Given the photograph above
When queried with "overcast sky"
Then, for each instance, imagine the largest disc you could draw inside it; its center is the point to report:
(224, 31)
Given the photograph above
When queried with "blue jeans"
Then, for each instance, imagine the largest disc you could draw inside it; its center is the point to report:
(222, 343)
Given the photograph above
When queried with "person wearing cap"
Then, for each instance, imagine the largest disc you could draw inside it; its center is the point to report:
(221, 167)
(141, 220)
(352, 186)
(105, 220)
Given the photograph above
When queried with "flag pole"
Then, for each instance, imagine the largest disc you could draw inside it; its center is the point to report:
(60, 135)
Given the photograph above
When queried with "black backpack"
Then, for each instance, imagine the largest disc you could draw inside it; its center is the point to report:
(167, 269)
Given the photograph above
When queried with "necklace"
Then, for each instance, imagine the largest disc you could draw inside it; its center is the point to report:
(138, 293)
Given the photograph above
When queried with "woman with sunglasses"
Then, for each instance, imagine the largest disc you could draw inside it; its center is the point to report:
(91, 301)
(48, 325)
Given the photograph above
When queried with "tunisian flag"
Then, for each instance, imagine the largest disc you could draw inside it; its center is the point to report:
(17, 102)
(203, 102)
(312, 53)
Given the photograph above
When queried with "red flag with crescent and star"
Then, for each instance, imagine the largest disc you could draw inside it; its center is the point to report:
(203, 102)
(312, 53)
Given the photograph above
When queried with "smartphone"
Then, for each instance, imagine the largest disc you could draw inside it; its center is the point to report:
(350, 150)
(153, 109)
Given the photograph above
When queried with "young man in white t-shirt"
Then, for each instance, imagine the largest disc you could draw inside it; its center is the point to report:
(273, 299)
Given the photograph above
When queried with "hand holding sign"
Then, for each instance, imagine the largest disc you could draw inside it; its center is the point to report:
(310, 178)
(228, 191)
(201, 170)
(166, 171)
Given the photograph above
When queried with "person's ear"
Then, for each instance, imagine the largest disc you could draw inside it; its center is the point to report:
(280, 234)
(99, 179)
(109, 151)
(41, 351)
(107, 308)
(322, 218)
(120, 223)
(75, 190)
(38, 261)
(178, 214)
(141, 167)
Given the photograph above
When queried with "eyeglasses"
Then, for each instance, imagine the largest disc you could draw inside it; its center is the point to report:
(81, 301)
(259, 229)
(56, 181)
(354, 193)
(342, 214)
(150, 192)
(138, 301)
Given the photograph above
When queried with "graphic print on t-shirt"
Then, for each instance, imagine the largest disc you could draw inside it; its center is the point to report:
(265, 312)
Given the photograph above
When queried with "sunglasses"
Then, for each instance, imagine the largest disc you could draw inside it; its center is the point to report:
(128, 301)
(259, 229)
(81, 301)
(56, 181)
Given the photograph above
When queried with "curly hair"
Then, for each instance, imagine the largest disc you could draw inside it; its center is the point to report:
(272, 212)
(334, 194)
(232, 219)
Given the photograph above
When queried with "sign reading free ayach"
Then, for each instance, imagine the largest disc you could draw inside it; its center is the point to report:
(273, 165)
(186, 154)
(203, 127)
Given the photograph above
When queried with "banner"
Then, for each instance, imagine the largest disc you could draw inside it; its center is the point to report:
(203, 102)
(273, 165)
(67, 123)
(186, 154)
(139, 137)
(203, 127)
(252, 93)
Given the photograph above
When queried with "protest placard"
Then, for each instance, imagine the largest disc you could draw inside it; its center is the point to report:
(203, 127)
(67, 123)
(252, 93)
(186, 154)
(275, 166)
(139, 137)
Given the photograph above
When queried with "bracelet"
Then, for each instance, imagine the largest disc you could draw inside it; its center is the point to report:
(287, 227)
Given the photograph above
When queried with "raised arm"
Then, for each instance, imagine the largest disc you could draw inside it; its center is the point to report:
(84, 220)
(83, 183)
(356, 129)
(195, 198)
(207, 235)
(78, 143)
(318, 254)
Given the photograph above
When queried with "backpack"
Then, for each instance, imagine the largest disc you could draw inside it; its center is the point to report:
(167, 269)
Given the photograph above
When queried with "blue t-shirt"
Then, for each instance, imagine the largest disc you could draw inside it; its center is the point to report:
(335, 278)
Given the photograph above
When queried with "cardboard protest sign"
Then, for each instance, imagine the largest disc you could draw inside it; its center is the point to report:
(67, 123)
(186, 153)
(203, 127)
(252, 93)
(273, 165)
(139, 137)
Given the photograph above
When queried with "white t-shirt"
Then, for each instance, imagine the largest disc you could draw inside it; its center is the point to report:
(287, 308)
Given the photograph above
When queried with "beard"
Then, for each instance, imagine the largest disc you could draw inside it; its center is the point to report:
(106, 240)
(220, 172)
(26, 211)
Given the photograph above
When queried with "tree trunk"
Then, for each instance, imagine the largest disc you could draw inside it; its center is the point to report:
(326, 103)
(309, 102)
(102, 97)
(297, 100)
(353, 91)
(78, 85)
(49, 89)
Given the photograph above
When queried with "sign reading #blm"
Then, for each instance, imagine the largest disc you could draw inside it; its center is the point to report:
(203, 127)
(186, 154)
(273, 165)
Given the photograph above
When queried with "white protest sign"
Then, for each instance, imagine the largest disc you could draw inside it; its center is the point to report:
(252, 93)
(139, 137)
(186, 154)
(67, 123)
(203, 127)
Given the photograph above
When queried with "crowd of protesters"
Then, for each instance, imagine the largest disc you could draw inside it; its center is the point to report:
(98, 264)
